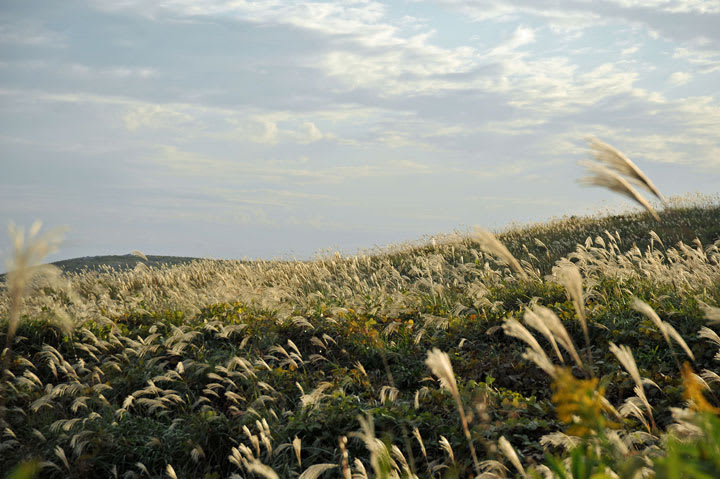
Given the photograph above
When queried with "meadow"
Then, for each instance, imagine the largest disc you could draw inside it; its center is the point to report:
(585, 347)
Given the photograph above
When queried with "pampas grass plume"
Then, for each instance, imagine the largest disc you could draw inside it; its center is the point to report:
(510, 453)
(616, 160)
(492, 245)
(314, 471)
(606, 178)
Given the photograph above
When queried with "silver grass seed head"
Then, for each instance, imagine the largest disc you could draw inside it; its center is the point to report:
(507, 449)
(492, 245)
(602, 176)
(439, 364)
(615, 159)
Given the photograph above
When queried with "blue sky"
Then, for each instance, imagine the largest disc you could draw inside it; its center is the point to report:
(252, 129)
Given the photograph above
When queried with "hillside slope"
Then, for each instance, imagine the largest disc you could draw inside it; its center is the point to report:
(209, 369)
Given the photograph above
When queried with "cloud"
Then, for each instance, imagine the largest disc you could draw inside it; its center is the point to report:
(310, 133)
(521, 36)
(154, 116)
(268, 134)
(679, 78)
(30, 34)
(332, 112)
(706, 61)
(680, 20)
(283, 126)
(299, 173)
(116, 72)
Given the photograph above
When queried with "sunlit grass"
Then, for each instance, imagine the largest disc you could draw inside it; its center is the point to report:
(583, 347)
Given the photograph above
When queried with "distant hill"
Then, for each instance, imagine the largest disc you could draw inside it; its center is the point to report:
(115, 262)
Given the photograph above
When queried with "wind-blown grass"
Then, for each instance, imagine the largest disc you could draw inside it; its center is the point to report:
(320, 368)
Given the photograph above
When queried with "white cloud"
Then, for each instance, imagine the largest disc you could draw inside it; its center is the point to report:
(316, 104)
(199, 165)
(706, 61)
(117, 72)
(679, 78)
(310, 133)
(684, 20)
(154, 116)
(629, 50)
(282, 126)
(521, 36)
(268, 132)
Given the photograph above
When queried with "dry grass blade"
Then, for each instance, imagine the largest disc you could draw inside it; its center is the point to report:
(654, 237)
(534, 321)
(707, 333)
(624, 355)
(559, 439)
(665, 328)
(262, 470)
(493, 469)
(60, 453)
(416, 433)
(678, 339)
(650, 313)
(712, 313)
(142, 468)
(570, 278)
(380, 458)
(616, 160)
(314, 471)
(510, 453)
(24, 264)
(606, 178)
(535, 352)
(445, 445)
(439, 364)
(139, 254)
(361, 471)
(554, 324)
(492, 245)
(297, 445)
(170, 472)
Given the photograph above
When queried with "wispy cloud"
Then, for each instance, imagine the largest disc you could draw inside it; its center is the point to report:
(679, 78)
(30, 34)
(330, 111)
(705, 60)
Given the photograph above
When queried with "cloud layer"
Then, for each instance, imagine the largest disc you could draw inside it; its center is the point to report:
(262, 128)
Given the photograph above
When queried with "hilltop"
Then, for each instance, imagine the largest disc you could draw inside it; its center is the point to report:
(118, 262)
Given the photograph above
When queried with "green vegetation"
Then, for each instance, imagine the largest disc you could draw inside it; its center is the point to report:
(277, 369)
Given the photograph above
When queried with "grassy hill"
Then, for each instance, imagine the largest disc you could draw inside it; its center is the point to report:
(328, 367)
(118, 262)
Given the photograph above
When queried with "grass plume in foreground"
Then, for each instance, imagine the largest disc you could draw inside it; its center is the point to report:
(577, 348)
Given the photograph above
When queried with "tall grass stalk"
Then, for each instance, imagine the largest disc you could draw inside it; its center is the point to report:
(439, 364)
(24, 265)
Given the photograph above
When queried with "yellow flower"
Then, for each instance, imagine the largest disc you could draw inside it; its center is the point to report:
(579, 403)
(694, 392)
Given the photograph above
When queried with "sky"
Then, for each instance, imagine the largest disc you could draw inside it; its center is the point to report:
(279, 128)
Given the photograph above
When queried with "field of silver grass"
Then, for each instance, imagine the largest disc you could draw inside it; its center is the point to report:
(467, 355)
